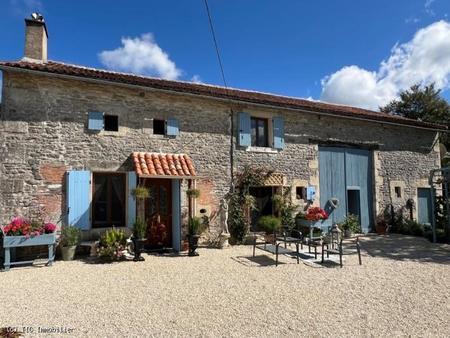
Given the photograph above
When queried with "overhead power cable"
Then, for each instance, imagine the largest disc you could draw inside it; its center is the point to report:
(216, 45)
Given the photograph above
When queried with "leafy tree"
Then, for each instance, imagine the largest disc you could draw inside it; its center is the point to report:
(424, 104)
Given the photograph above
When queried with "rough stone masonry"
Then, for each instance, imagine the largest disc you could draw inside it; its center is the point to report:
(44, 134)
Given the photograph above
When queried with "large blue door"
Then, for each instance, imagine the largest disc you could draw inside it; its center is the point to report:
(346, 174)
(332, 184)
(358, 171)
(424, 205)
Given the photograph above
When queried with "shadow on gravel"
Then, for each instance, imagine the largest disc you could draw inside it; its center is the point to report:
(251, 261)
(403, 248)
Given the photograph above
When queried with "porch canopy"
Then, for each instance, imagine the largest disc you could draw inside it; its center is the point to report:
(159, 165)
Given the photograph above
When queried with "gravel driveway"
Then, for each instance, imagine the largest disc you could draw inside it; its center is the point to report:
(402, 289)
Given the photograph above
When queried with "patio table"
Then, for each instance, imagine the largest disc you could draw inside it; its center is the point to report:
(275, 248)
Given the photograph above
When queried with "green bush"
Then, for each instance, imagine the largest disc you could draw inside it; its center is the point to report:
(194, 225)
(351, 222)
(70, 236)
(112, 244)
(140, 192)
(237, 223)
(140, 228)
(410, 227)
(440, 235)
(285, 208)
(269, 223)
(193, 193)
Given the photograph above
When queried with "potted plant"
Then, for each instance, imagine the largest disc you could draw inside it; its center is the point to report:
(112, 245)
(140, 192)
(193, 193)
(350, 225)
(194, 235)
(70, 237)
(139, 238)
(381, 225)
(270, 224)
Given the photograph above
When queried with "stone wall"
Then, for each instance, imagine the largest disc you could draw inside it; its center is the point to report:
(44, 132)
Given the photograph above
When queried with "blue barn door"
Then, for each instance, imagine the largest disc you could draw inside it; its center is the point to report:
(346, 174)
(332, 183)
(358, 176)
(79, 199)
(424, 205)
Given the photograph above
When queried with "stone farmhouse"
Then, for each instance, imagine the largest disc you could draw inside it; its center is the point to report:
(75, 142)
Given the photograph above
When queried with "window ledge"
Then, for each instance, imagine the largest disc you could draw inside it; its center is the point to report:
(266, 150)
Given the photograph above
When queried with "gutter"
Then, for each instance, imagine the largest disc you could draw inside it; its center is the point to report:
(228, 100)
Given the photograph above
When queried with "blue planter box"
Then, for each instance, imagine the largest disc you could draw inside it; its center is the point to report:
(310, 224)
(22, 241)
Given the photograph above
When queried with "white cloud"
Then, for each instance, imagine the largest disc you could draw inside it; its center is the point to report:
(412, 19)
(141, 55)
(424, 59)
(428, 8)
(196, 78)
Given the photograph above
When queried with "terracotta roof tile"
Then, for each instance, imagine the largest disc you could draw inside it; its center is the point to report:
(217, 92)
(155, 164)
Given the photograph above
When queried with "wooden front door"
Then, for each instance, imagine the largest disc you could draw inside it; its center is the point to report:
(158, 212)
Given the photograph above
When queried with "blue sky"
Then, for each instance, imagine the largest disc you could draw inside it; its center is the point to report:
(322, 49)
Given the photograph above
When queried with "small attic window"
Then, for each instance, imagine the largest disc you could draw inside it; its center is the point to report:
(300, 193)
(159, 127)
(398, 192)
(111, 123)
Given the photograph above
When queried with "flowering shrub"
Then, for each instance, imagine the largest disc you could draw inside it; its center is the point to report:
(20, 226)
(49, 228)
(112, 244)
(314, 214)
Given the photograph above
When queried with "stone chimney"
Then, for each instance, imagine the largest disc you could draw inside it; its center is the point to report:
(36, 37)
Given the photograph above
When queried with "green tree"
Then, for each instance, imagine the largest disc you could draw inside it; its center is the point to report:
(422, 103)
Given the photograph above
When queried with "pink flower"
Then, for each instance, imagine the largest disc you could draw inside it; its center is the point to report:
(49, 228)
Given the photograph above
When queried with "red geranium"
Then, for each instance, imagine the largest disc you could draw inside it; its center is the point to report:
(20, 226)
(49, 228)
(316, 214)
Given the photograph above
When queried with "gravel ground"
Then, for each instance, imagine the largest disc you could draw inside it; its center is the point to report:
(402, 289)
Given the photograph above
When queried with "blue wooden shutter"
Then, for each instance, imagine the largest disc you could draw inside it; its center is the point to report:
(176, 215)
(79, 199)
(172, 128)
(244, 130)
(96, 121)
(278, 132)
(131, 201)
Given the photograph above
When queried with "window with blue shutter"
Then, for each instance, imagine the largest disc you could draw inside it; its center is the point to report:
(96, 121)
(131, 200)
(244, 130)
(278, 132)
(78, 199)
(172, 128)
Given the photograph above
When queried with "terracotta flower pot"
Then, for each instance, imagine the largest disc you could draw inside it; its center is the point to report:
(269, 238)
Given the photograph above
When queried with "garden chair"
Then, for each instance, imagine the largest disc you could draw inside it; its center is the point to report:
(342, 247)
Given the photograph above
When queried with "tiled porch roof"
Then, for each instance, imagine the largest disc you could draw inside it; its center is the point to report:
(157, 164)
